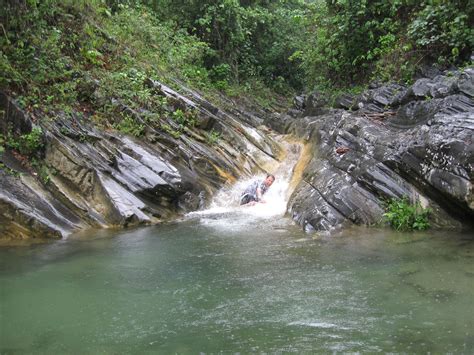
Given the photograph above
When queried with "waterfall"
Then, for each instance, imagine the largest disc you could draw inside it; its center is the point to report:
(225, 209)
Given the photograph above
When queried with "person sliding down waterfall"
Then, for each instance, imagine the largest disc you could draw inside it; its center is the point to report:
(255, 191)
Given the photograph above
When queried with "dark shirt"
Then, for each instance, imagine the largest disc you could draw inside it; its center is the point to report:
(250, 193)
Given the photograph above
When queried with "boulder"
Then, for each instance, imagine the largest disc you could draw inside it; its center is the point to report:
(345, 101)
(299, 102)
(12, 119)
(315, 104)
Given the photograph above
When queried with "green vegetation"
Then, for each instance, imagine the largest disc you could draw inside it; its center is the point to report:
(404, 216)
(130, 125)
(213, 137)
(247, 41)
(2, 143)
(9, 170)
(99, 56)
(27, 144)
(68, 56)
(184, 118)
(41, 170)
(167, 128)
(351, 41)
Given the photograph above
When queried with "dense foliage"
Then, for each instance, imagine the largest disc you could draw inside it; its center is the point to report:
(54, 51)
(27, 144)
(352, 41)
(247, 39)
(235, 46)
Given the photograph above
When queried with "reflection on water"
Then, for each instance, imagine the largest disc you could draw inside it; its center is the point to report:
(209, 284)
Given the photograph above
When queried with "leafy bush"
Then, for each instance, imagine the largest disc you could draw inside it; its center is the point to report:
(353, 41)
(184, 118)
(27, 144)
(404, 216)
(49, 47)
(245, 39)
(168, 129)
(443, 30)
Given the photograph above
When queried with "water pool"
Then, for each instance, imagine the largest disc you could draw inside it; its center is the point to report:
(224, 282)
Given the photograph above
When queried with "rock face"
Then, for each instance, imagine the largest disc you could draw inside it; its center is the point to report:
(98, 178)
(390, 141)
(397, 141)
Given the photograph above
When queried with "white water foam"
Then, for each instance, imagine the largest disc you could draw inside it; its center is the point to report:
(225, 209)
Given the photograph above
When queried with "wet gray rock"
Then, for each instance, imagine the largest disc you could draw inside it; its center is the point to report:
(189, 201)
(381, 98)
(345, 101)
(13, 120)
(466, 82)
(429, 71)
(299, 102)
(421, 88)
(36, 213)
(415, 142)
(101, 178)
(315, 104)
(443, 86)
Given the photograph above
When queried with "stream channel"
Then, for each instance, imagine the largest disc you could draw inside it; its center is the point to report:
(239, 279)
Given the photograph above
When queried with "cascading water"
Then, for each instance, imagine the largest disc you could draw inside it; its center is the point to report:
(225, 210)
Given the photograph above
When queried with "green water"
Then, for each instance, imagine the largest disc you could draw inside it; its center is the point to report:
(225, 285)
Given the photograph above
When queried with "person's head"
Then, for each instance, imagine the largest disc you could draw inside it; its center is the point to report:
(269, 180)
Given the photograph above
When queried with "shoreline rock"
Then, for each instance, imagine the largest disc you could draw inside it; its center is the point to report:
(394, 141)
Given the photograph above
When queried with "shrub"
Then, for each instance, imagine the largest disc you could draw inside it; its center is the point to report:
(184, 118)
(443, 30)
(404, 216)
(213, 137)
(168, 129)
(27, 144)
(129, 125)
(353, 41)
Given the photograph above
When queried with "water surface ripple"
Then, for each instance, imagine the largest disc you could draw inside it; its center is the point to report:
(209, 285)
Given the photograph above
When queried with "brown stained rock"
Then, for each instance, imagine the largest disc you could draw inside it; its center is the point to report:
(342, 150)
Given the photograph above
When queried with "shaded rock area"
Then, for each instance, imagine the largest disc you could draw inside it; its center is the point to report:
(99, 178)
(390, 141)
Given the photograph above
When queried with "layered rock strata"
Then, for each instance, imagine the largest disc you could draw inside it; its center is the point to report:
(97, 178)
(391, 141)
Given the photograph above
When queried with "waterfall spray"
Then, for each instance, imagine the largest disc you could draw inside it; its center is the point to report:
(225, 208)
